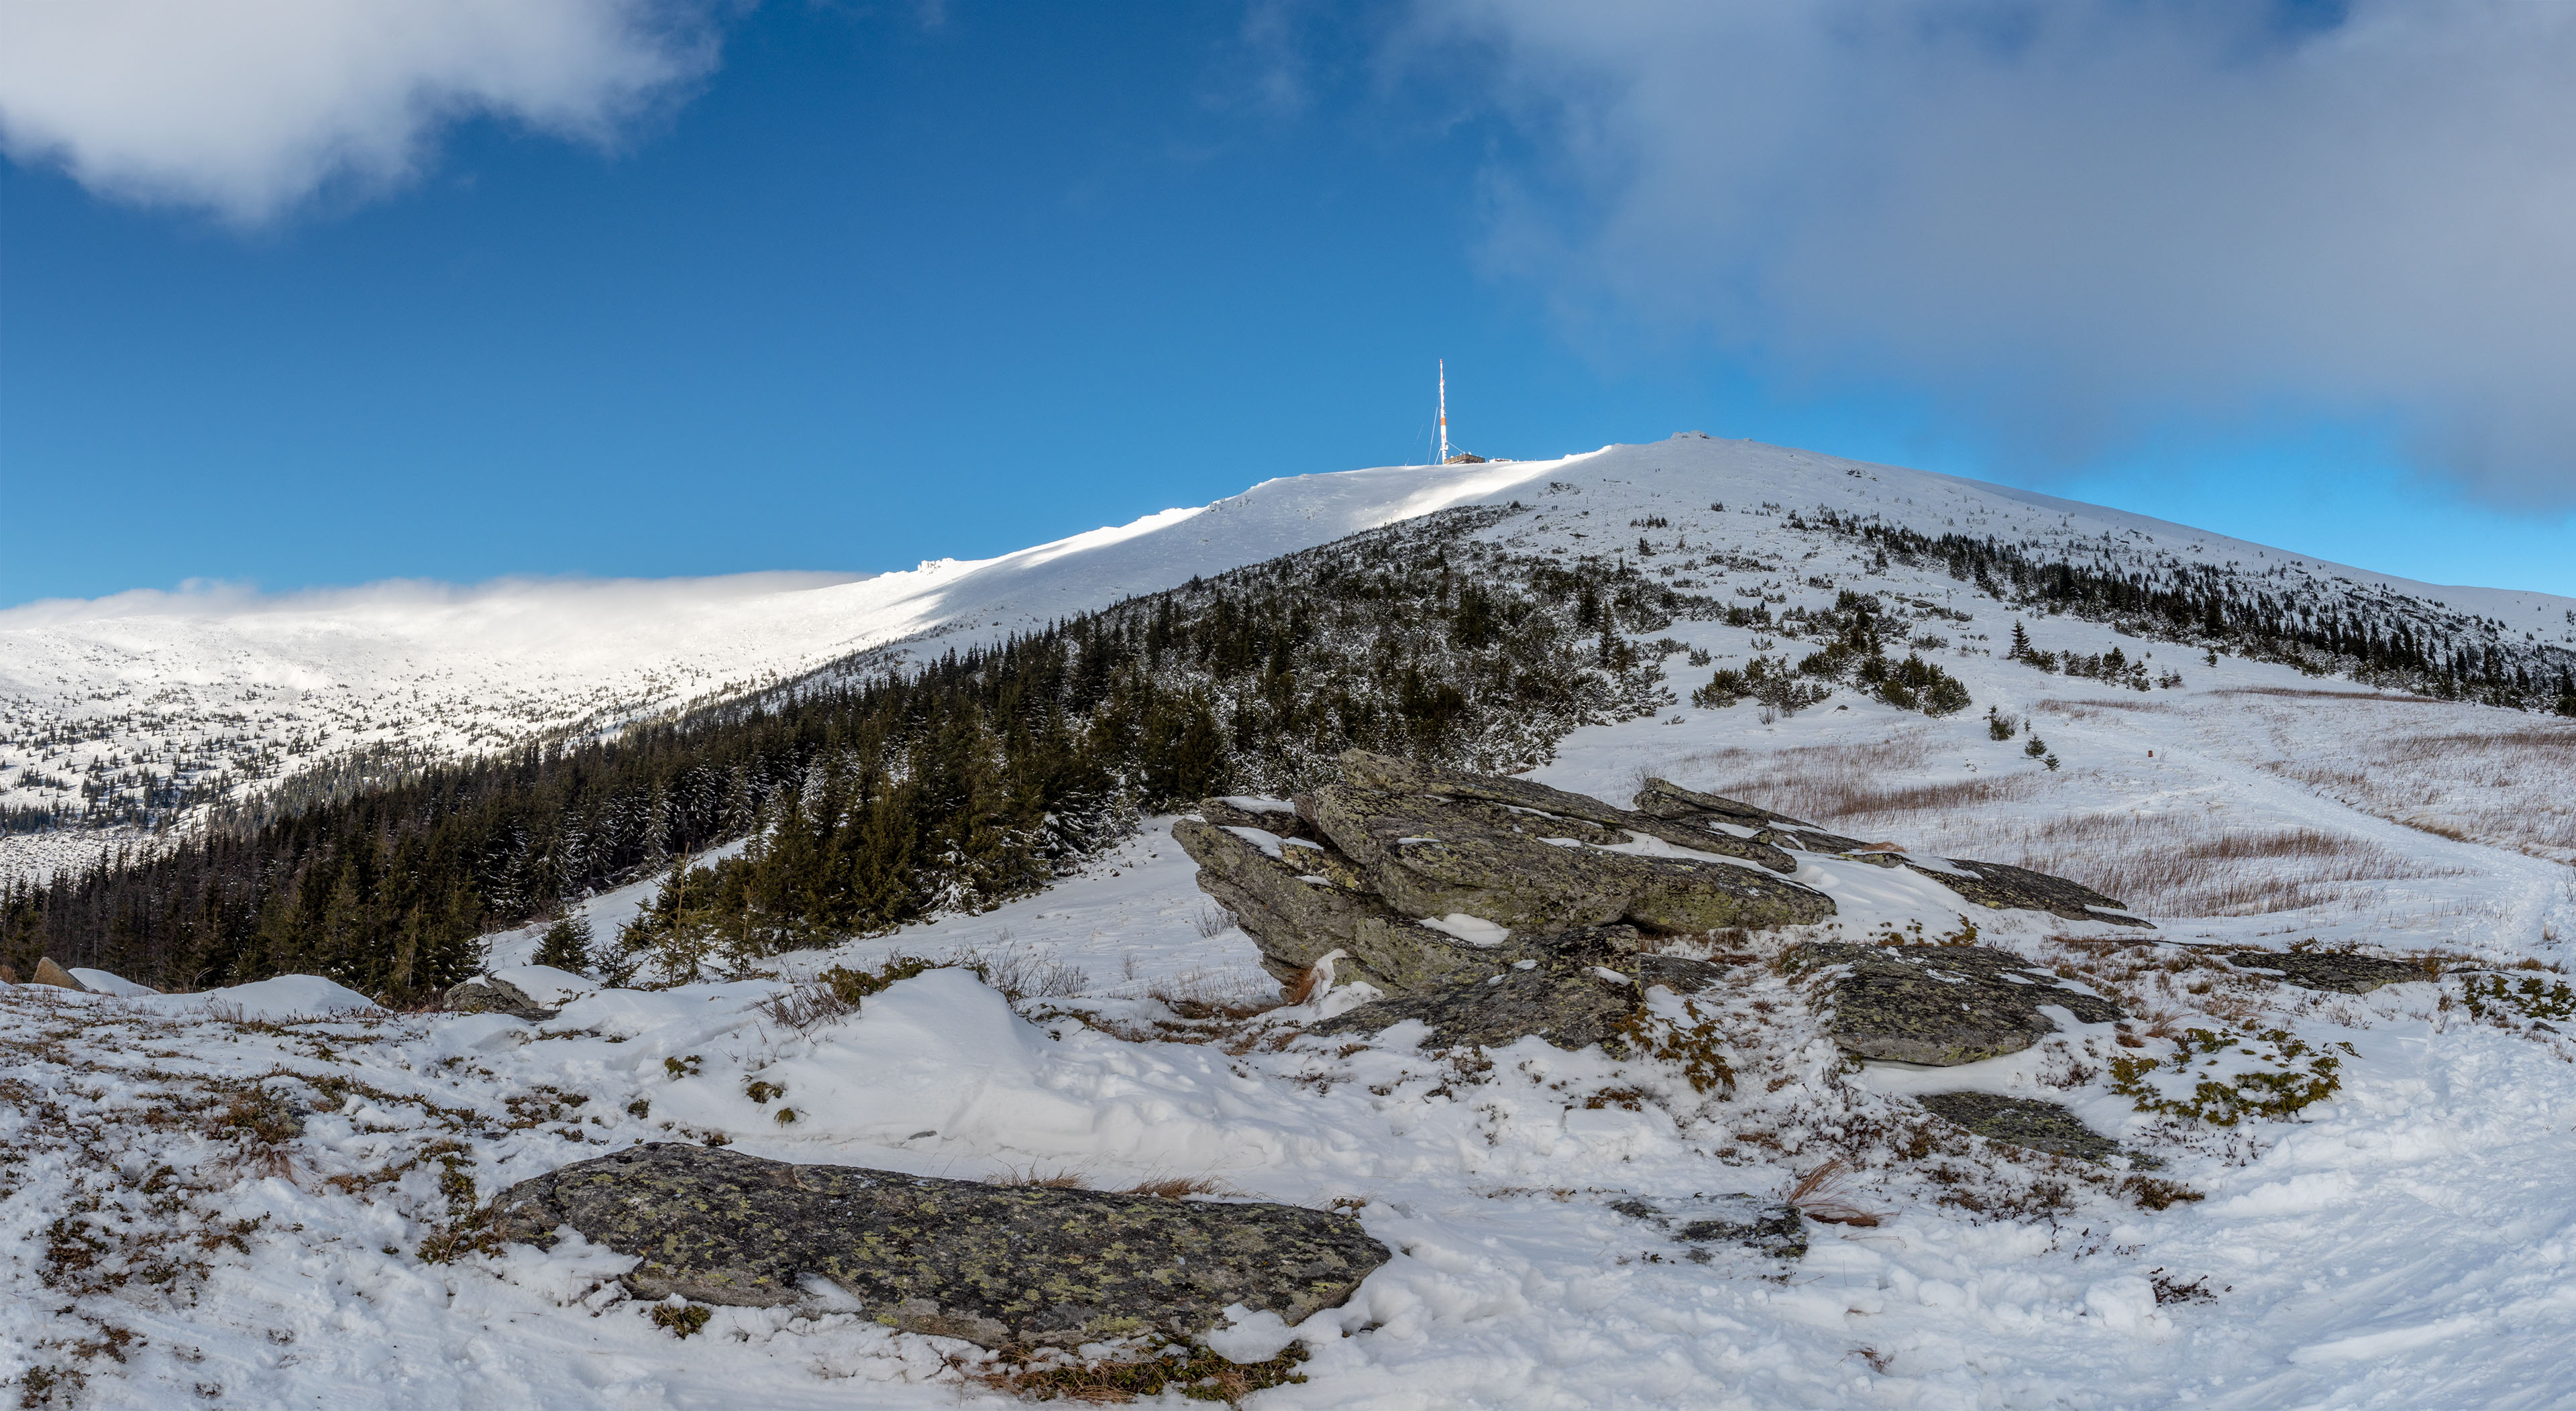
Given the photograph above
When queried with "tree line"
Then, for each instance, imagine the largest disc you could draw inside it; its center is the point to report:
(2378, 639)
(895, 785)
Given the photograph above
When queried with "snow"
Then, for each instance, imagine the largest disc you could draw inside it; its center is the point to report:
(252, 690)
(240, 692)
(1474, 930)
(549, 987)
(108, 984)
(284, 997)
(2406, 1243)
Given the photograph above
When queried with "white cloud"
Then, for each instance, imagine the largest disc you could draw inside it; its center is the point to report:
(2077, 213)
(606, 599)
(247, 107)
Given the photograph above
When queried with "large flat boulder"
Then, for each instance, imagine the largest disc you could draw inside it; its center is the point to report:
(1429, 857)
(1003, 1266)
(1939, 1005)
(2022, 1121)
(2337, 972)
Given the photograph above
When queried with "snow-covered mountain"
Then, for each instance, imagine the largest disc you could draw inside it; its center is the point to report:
(224, 1197)
(148, 709)
(151, 710)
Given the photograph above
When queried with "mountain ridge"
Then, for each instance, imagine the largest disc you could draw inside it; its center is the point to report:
(126, 724)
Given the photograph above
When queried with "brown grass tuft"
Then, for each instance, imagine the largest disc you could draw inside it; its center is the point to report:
(1825, 1195)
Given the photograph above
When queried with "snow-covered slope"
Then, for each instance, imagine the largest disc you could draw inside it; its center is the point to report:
(147, 708)
(138, 708)
(210, 1198)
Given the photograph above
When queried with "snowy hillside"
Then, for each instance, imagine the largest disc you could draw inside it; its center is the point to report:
(239, 1198)
(146, 707)
(147, 710)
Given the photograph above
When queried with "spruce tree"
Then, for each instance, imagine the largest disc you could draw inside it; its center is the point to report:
(566, 944)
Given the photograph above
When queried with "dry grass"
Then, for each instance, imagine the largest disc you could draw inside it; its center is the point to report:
(1071, 1178)
(2513, 786)
(1833, 784)
(1825, 1194)
(1019, 971)
(2182, 865)
(1209, 994)
(1062, 1178)
(2170, 864)
(2308, 693)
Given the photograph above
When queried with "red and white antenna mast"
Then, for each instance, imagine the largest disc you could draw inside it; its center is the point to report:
(1444, 413)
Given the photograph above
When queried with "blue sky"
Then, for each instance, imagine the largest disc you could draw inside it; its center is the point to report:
(850, 287)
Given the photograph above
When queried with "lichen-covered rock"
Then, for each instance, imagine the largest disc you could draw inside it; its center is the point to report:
(2022, 1121)
(493, 996)
(1574, 991)
(2339, 972)
(1302, 910)
(1764, 1226)
(1430, 857)
(1939, 1005)
(1003, 1266)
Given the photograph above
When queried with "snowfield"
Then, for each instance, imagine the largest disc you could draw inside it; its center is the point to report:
(224, 1199)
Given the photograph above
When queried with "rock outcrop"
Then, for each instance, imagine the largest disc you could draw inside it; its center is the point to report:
(2022, 1121)
(1418, 880)
(490, 995)
(2333, 971)
(1939, 1005)
(1533, 872)
(1003, 1266)
(1578, 990)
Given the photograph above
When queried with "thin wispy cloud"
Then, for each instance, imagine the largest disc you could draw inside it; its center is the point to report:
(249, 107)
(2078, 217)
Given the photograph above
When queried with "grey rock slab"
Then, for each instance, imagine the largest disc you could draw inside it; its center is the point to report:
(1566, 996)
(2336, 972)
(1999, 886)
(1002, 1266)
(2021, 1121)
(1297, 922)
(1939, 1005)
(1429, 859)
